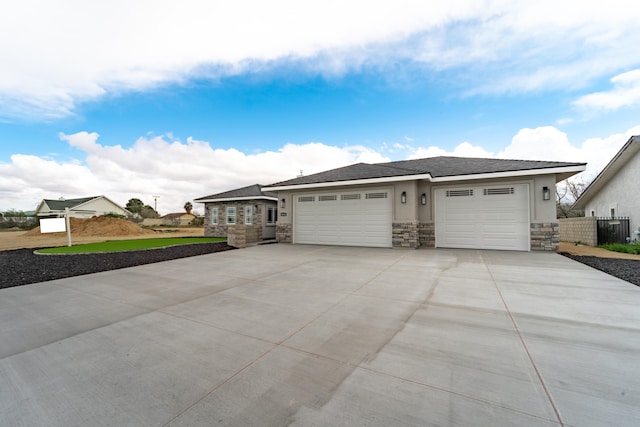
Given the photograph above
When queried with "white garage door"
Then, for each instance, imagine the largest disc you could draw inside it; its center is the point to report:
(349, 218)
(483, 217)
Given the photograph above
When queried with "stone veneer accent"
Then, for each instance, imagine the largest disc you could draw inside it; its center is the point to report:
(427, 234)
(583, 230)
(545, 236)
(405, 235)
(284, 233)
(237, 236)
(253, 231)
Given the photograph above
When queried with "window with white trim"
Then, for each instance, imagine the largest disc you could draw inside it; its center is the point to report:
(271, 215)
(231, 214)
(248, 215)
(214, 216)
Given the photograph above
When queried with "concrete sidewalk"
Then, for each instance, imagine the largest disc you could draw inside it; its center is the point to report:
(308, 335)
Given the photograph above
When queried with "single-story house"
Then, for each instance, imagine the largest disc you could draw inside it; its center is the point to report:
(249, 206)
(85, 207)
(177, 219)
(614, 192)
(445, 202)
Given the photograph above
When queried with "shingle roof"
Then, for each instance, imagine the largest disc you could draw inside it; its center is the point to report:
(60, 205)
(254, 190)
(436, 167)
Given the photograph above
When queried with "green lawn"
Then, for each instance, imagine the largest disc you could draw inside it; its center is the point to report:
(129, 245)
(629, 248)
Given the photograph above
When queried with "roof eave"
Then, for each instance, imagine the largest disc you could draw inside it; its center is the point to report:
(560, 171)
(232, 199)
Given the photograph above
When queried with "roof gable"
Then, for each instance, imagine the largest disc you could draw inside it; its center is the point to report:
(622, 157)
(248, 192)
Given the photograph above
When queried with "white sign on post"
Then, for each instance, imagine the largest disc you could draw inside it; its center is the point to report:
(53, 225)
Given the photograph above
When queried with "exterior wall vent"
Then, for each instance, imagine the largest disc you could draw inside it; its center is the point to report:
(350, 196)
(498, 191)
(381, 195)
(459, 193)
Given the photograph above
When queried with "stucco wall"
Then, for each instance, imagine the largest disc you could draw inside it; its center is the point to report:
(620, 193)
(102, 206)
(421, 217)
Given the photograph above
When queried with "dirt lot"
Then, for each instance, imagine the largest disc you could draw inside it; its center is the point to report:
(22, 239)
(583, 250)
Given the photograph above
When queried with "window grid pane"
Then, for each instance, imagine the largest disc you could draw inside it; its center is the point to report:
(248, 215)
(231, 215)
(214, 216)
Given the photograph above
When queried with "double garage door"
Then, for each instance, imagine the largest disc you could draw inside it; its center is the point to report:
(474, 217)
(483, 217)
(349, 218)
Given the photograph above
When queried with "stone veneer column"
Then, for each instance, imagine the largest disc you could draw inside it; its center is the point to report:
(427, 234)
(545, 236)
(237, 236)
(405, 235)
(284, 233)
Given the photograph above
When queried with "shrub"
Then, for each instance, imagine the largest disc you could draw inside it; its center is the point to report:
(115, 215)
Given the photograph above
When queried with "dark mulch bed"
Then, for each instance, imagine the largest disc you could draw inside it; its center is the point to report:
(22, 266)
(625, 269)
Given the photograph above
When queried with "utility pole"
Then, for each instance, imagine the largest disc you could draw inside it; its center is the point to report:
(155, 203)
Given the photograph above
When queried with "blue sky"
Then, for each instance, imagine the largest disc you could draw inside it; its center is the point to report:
(186, 100)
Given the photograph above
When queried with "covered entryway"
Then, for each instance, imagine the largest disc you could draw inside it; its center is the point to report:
(483, 217)
(348, 218)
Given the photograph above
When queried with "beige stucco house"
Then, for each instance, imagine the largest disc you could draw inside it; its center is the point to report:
(251, 207)
(85, 207)
(445, 202)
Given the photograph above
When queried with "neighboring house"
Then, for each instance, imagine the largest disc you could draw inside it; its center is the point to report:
(446, 202)
(249, 206)
(85, 207)
(614, 192)
(177, 219)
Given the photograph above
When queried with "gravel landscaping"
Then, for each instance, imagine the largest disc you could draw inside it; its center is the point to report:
(22, 266)
(625, 269)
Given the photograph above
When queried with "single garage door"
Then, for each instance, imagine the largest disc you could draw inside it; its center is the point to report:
(348, 218)
(483, 217)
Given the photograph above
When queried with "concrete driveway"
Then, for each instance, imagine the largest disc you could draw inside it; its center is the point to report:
(307, 335)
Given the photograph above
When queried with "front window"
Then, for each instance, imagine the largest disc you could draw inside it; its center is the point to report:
(214, 216)
(231, 215)
(248, 215)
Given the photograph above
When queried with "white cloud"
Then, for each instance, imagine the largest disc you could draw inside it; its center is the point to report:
(71, 51)
(625, 93)
(177, 171)
(543, 143)
(464, 149)
(548, 143)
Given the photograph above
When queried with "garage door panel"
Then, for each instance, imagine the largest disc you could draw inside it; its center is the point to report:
(479, 217)
(348, 218)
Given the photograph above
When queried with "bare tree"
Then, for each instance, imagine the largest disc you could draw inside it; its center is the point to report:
(567, 192)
